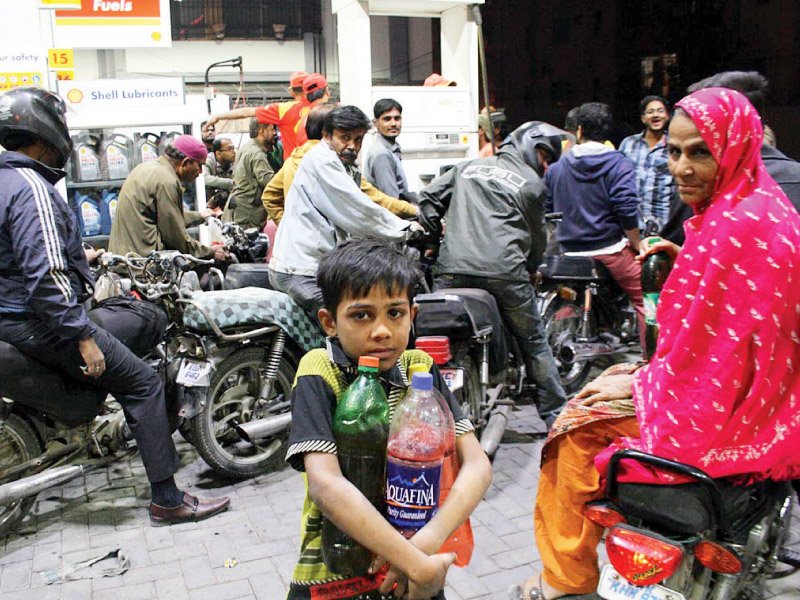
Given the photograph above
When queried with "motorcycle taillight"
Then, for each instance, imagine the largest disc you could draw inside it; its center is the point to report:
(603, 515)
(438, 346)
(642, 558)
(717, 558)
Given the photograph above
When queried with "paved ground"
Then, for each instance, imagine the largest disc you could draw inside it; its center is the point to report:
(108, 509)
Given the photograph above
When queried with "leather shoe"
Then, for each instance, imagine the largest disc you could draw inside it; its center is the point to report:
(191, 509)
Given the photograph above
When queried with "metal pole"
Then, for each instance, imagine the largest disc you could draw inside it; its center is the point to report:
(478, 18)
(231, 62)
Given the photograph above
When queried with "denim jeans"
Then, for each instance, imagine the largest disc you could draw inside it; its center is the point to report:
(517, 303)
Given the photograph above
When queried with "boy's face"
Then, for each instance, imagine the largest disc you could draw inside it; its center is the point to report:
(375, 325)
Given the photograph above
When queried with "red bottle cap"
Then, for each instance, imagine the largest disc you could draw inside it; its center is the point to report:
(369, 361)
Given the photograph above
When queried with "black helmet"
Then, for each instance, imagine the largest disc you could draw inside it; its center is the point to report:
(37, 112)
(537, 134)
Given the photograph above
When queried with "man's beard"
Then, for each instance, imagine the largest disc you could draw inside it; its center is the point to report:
(348, 158)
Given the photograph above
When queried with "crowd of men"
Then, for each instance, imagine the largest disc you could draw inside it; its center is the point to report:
(318, 194)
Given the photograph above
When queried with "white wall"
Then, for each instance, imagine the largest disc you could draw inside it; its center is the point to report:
(192, 58)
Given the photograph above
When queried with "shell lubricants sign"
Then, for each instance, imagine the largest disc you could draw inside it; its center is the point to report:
(114, 24)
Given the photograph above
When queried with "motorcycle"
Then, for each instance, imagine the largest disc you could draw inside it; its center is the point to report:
(724, 541)
(462, 330)
(587, 316)
(229, 359)
(52, 430)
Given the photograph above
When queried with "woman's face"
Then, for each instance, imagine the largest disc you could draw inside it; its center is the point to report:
(690, 161)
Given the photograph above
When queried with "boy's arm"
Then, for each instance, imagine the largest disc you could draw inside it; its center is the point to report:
(346, 506)
(474, 478)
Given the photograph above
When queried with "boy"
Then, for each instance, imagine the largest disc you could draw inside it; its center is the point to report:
(368, 288)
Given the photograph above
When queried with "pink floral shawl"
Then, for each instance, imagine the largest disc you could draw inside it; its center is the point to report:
(723, 389)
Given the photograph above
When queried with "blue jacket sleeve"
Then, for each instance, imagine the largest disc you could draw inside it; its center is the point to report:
(622, 192)
(38, 230)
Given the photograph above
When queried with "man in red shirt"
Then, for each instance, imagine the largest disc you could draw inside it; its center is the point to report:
(289, 117)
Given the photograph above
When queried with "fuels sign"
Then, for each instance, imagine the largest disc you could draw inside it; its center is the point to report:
(114, 24)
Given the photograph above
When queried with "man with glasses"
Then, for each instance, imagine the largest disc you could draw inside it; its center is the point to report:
(648, 152)
(218, 172)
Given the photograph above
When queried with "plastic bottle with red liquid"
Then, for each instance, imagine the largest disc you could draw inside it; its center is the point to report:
(414, 455)
(361, 428)
(461, 541)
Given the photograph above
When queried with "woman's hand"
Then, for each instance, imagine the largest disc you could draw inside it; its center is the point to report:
(646, 248)
(603, 389)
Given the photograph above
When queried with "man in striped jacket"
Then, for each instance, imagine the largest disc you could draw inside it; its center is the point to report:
(44, 280)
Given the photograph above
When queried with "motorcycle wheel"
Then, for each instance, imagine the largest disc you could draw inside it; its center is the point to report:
(233, 399)
(562, 323)
(469, 396)
(18, 444)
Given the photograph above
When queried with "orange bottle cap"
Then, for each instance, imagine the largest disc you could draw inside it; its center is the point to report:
(369, 361)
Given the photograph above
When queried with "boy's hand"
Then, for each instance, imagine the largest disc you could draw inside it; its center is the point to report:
(427, 585)
(432, 582)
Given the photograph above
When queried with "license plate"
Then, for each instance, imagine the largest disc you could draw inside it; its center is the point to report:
(193, 372)
(614, 586)
(454, 378)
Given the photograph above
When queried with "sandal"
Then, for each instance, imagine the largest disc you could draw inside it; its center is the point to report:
(531, 589)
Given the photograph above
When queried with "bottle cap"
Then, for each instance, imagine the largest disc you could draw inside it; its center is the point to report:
(422, 381)
(372, 362)
(417, 368)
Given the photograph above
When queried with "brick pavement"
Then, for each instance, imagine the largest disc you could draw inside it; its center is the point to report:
(108, 509)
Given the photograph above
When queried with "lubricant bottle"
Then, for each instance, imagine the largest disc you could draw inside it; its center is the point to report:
(655, 270)
(108, 208)
(361, 429)
(116, 157)
(461, 541)
(415, 452)
(84, 162)
(146, 148)
(88, 213)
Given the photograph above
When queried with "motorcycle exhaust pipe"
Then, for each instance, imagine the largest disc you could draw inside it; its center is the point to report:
(572, 352)
(254, 431)
(495, 428)
(30, 486)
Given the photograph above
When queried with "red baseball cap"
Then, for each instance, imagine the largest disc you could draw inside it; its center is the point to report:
(436, 80)
(314, 82)
(297, 78)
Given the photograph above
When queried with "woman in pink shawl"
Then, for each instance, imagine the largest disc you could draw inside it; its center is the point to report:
(722, 391)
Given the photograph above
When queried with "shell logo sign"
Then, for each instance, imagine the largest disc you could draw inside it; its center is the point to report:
(114, 24)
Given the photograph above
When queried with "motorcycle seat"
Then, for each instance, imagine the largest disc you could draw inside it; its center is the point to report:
(656, 505)
(241, 275)
(560, 267)
(253, 307)
(39, 387)
(461, 314)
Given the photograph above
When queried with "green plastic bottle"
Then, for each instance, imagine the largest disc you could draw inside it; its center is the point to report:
(361, 429)
(655, 270)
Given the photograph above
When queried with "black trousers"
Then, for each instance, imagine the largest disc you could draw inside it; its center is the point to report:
(135, 385)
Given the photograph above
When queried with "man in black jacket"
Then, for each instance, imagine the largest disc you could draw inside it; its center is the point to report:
(495, 240)
(44, 279)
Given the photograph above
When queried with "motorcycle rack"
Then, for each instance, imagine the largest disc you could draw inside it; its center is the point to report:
(226, 337)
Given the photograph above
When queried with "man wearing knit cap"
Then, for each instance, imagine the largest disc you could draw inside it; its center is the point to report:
(289, 117)
(150, 214)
